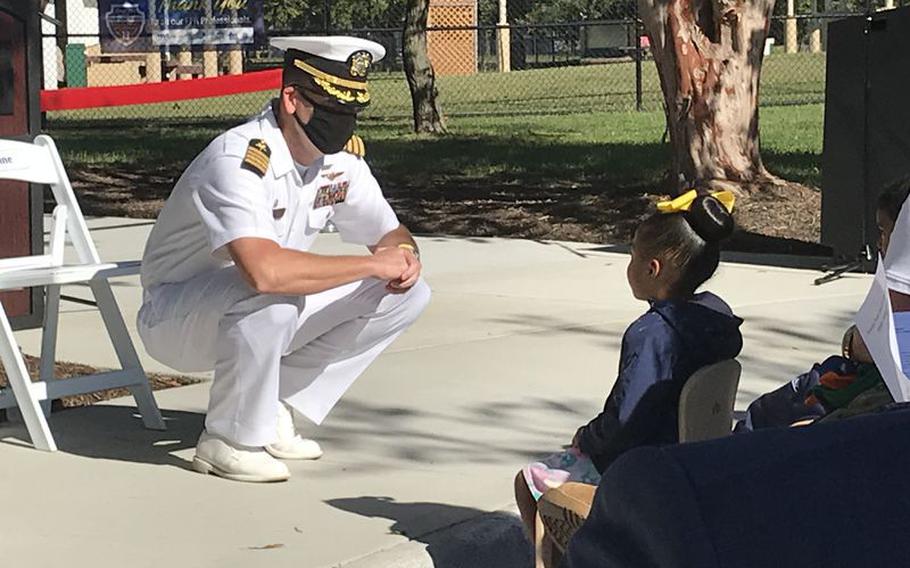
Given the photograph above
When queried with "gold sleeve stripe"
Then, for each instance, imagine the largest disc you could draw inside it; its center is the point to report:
(253, 154)
(357, 85)
(258, 162)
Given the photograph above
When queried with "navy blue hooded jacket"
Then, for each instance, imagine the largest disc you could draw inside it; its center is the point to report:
(660, 351)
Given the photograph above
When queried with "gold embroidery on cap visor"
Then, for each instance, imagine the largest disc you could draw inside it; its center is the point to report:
(342, 90)
(343, 95)
(329, 78)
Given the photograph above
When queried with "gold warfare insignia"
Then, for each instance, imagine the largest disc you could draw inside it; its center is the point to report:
(331, 194)
(355, 146)
(360, 63)
(257, 156)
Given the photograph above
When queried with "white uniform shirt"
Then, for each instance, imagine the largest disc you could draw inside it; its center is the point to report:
(217, 201)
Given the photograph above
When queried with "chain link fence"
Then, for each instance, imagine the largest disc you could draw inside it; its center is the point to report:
(490, 56)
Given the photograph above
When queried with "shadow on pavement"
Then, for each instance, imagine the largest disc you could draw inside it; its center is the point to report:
(483, 433)
(117, 433)
(455, 536)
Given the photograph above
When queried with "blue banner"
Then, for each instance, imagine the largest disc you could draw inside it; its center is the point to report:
(143, 25)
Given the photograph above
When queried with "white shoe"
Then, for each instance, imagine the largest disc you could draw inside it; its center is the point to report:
(239, 463)
(290, 446)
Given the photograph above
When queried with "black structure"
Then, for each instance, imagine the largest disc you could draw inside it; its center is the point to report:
(867, 126)
(21, 206)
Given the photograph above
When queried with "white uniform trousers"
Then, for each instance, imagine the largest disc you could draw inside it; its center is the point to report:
(304, 350)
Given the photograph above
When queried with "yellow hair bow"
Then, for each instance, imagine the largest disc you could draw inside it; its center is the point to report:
(684, 201)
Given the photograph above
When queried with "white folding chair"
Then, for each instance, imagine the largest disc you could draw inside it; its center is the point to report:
(40, 163)
(706, 402)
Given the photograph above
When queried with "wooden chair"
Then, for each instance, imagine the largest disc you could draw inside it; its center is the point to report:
(39, 162)
(705, 412)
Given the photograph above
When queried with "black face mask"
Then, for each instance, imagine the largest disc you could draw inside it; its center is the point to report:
(328, 131)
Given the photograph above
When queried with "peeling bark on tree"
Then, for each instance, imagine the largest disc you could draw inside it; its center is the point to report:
(419, 70)
(709, 55)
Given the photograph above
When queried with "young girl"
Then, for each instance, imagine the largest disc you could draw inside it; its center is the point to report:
(674, 252)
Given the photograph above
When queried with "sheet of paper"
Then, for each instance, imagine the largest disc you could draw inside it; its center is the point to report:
(902, 331)
(897, 259)
(875, 322)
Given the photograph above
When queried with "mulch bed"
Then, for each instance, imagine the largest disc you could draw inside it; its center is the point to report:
(779, 219)
(64, 370)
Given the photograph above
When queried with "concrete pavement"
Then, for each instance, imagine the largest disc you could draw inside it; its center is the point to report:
(517, 349)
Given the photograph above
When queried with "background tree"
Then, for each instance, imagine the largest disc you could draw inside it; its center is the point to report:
(342, 14)
(354, 14)
(556, 11)
(709, 56)
(419, 69)
(291, 14)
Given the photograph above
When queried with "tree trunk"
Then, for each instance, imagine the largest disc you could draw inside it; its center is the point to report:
(419, 69)
(709, 55)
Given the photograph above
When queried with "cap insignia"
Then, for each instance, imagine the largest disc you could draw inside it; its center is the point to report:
(360, 63)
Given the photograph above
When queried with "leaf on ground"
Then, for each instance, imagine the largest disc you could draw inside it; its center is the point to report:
(266, 547)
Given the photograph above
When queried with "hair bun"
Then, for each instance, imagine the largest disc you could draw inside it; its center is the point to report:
(710, 219)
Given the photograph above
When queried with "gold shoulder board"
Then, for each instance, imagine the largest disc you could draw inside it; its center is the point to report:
(355, 146)
(256, 158)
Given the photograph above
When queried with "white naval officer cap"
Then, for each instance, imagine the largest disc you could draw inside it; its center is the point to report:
(334, 68)
(334, 48)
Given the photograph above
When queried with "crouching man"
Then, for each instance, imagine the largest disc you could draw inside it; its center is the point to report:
(228, 283)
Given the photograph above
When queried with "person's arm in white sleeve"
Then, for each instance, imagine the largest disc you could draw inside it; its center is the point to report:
(271, 269)
(233, 203)
(366, 218)
(236, 212)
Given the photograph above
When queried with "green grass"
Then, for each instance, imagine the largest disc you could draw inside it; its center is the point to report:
(623, 147)
(549, 153)
(786, 80)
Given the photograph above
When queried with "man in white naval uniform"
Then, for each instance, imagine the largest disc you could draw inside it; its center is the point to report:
(229, 285)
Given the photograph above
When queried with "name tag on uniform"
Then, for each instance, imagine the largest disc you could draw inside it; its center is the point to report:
(331, 194)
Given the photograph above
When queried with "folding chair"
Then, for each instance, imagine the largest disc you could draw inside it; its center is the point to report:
(705, 412)
(706, 402)
(40, 163)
